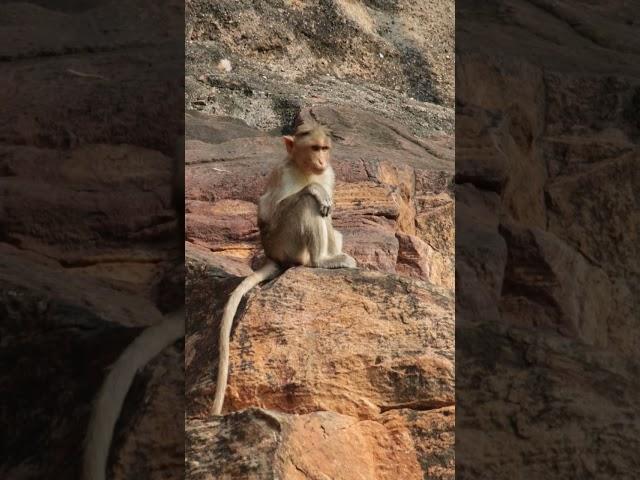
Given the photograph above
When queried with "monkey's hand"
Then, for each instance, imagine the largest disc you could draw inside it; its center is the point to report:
(325, 202)
(326, 205)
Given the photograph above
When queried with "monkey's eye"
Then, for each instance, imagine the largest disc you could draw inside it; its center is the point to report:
(316, 148)
(325, 148)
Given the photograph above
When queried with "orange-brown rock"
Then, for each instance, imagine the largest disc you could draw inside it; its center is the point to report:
(89, 240)
(258, 443)
(418, 259)
(353, 342)
(124, 234)
(432, 435)
(550, 285)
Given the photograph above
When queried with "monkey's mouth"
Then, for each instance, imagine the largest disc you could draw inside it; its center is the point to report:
(318, 168)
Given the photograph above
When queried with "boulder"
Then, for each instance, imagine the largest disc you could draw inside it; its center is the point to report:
(353, 342)
(265, 444)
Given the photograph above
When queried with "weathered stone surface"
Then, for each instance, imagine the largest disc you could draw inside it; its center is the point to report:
(498, 134)
(481, 254)
(435, 222)
(93, 64)
(227, 225)
(612, 202)
(288, 350)
(396, 57)
(549, 399)
(115, 203)
(432, 433)
(266, 444)
(417, 259)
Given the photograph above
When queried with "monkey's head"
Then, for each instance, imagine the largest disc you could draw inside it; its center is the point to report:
(310, 148)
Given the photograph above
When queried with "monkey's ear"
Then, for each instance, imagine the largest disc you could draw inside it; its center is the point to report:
(288, 142)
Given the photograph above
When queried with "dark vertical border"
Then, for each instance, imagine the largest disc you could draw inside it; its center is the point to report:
(547, 251)
(91, 222)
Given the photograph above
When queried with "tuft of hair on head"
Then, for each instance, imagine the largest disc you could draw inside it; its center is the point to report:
(311, 126)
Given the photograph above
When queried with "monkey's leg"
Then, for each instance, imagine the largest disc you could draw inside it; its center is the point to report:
(324, 243)
(283, 239)
(341, 260)
(335, 239)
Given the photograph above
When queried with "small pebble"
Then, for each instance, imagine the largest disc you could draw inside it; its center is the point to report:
(224, 65)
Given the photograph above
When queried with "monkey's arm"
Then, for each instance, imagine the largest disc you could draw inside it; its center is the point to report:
(317, 191)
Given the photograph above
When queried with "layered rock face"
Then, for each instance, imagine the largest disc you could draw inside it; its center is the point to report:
(334, 374)
(547, 264)
(89, 243)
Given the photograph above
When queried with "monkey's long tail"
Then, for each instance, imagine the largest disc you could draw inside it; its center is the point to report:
(267, 272)
(113, 392)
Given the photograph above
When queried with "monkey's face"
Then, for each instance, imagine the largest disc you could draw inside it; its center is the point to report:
(311, 152)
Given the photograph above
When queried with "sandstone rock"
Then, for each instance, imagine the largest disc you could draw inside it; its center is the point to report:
(97, 109)
(89, 237)
(613, 206)
(573, 214)
(435, 221)
(395, 58)
(499, 133)
(432, 433)
(398, 334)
(374, 246)
(199, 127)
(26, 270)
(548, 399)
(122, 234)
(481, 254)
(548, 132)
(417, 259)
(229, 225)
(266, 444)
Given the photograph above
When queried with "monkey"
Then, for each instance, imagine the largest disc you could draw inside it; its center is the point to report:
(294, 220)
(151, 342)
